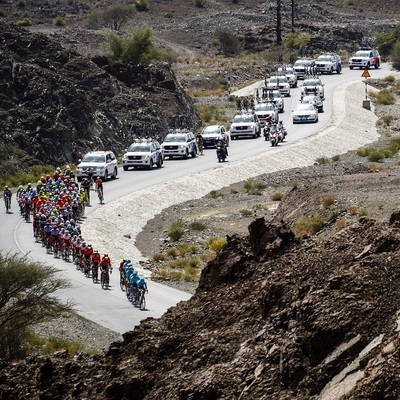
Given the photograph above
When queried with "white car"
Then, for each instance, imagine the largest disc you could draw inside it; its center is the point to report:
(281, 83)
(316, 101)
(290, 74)
(180, 144)
(329, 63)
(304, 67)
(245, 125)
(143, 153)
(265, 110)
(100, 163)
(365, 58)
(312, 86)
(305, 113)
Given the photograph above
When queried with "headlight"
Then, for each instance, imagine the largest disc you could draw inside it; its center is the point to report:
(146, 157)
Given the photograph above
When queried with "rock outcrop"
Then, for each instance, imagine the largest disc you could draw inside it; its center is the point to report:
(56, 104)
(316, 320)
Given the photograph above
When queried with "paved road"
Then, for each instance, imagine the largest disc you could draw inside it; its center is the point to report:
(136, 196)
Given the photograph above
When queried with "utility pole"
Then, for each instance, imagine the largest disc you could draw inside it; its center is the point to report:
(292, 16)
(278, 23)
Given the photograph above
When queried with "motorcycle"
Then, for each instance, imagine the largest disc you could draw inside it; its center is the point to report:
(266, 132)
(275, 139)
(221, 153)
(282, 132)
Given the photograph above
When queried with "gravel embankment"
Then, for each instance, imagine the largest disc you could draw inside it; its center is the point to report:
(348, 117)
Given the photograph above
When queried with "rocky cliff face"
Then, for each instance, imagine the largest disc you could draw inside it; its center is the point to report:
(274, 317)
(56, 104)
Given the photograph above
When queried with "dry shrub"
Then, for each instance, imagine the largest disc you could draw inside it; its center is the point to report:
(341, 223)
(327, 201)
(353, 209)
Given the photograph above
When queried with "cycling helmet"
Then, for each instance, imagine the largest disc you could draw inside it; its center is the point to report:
(96, 251)
(142, 280)
(5, 187)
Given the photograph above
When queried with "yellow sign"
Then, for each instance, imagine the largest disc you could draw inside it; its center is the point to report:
(365, 74)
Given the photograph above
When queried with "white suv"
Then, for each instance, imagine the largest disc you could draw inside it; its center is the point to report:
(101, 163)
(180, 144)
(329, 63)
(365, 58)
(143, 153)
(245, 125)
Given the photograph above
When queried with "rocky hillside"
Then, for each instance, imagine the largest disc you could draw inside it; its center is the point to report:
(57, 104)
(274, 317)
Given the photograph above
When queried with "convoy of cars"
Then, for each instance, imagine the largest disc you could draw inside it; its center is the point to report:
(147, 153)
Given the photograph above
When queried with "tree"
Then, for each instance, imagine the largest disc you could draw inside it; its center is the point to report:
(229, 43)
(396, 56)
(27, 296)
(113, 17)
(137, 48)
(385, 42)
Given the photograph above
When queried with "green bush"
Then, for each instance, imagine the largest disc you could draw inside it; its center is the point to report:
(323, 160)
(216, 244)
(137, 48)
(245, 213)
(276, 196)
(376, 155)
(141, 5)
(336, 157)
(229, 43)
(114, 17)
(396, 56)
(384, 97)
(58, 21)
(176, 231)
(197, 225)
(308, 225)
(254, 188)
(386, 120)
(2, 12)
(169, 14)
(214, 194)
(24, 22)
(389, 78)
(21, 3)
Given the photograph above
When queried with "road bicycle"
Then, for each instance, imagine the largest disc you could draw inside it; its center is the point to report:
(7, 201)
(100, 194)
(104, 280)
(95, 272)
(142, 300)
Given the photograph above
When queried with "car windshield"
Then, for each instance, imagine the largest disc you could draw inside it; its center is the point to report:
(309, 99)
(362, 54)
(311, 83)
(94, 158)
(175, 138)
(139, 147)
(210, 130)
(304, 63)
(243, 118)
(325, 58)
(304, 107)
(278, 79)
(264, 107)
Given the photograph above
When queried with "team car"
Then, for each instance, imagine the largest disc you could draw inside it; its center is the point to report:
(212, 134)
(365, 59)
(100, 163)
(144, 154)
(266, 110)
(305, 113)
(312, 86)
(329, 63)
(246, 124)
(180, 143)
(281, 83)
(315, 100)
(303, 67)
(274, 96)
(290, 75)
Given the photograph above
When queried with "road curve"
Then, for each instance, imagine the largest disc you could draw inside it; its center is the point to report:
(113, 227)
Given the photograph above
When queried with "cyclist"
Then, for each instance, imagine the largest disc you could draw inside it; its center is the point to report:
(99, 188)
(95, 264)
(86, 189)
(88, 253)
(105, 268)
(142, 285)
(7, 196)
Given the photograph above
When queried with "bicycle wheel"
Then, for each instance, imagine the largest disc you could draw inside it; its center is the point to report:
(142, 304)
